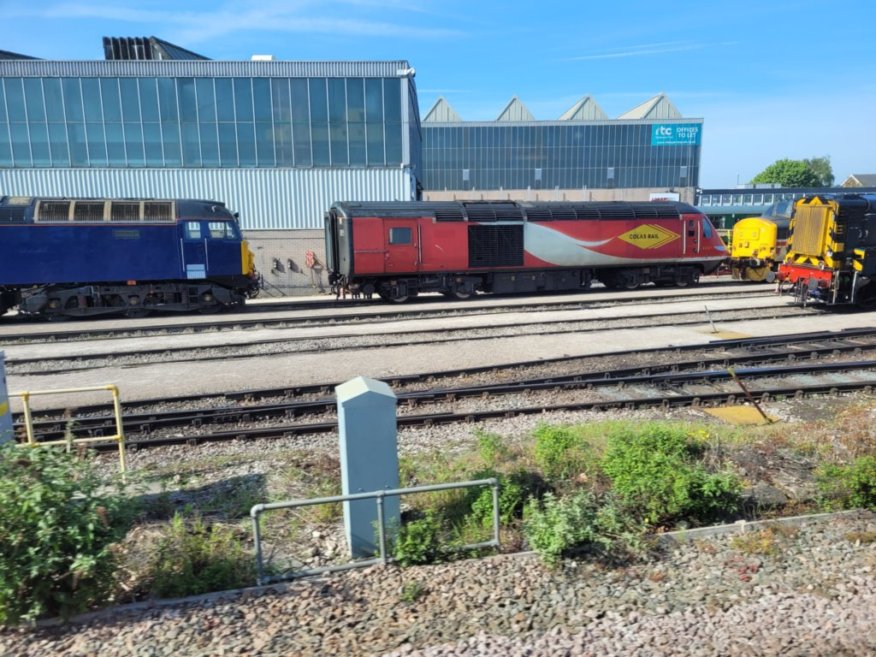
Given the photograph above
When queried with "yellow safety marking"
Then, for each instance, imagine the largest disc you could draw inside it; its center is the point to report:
(739, 415)
(4, 408)
(725, 335)
(649, 236)
(856, 265)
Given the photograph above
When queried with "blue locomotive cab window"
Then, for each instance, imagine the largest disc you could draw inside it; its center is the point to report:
(400, 236)
(707, 228)
(193, 230)
(221, 230)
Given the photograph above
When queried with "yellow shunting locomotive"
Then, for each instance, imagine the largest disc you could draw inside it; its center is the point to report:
(758, 244)
(831, 255)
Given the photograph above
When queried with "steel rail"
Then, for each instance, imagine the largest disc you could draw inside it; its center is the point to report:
(626, 322)
(147, 422)
(662, 401)
(380, 314)
(810, 345)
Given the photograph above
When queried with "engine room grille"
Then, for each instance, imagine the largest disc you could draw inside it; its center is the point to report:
(809, 229)
(495, 246)
(54, 211)
(158, 211)
(125, 211)
(88, 211)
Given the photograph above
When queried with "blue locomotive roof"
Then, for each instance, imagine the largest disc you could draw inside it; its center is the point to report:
(22, 209)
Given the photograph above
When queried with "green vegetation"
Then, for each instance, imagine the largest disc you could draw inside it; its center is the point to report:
(418, 541)
(194, 557)
(579, 491)
(560, 452)
(849, 486)
(815, 172)
(654, 469)
(556, 527)
(58, 524)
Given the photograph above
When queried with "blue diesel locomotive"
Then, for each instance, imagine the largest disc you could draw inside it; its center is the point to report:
(84, 257)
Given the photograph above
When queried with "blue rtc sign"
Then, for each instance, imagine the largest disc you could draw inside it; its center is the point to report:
(675, 134)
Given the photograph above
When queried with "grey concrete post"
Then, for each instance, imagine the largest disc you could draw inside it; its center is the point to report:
(369, 459)
(6, 433)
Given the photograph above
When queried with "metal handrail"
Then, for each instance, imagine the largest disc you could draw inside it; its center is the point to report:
(378, 496)
(119, 436)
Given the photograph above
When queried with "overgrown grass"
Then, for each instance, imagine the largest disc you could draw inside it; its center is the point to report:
(193, 556)
(585, 490)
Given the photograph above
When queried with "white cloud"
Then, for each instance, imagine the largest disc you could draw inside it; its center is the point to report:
(287, 17)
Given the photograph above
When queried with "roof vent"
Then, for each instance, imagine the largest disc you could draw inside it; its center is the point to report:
(262, 58)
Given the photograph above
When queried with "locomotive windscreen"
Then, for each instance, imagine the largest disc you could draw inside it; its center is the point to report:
(495, 246)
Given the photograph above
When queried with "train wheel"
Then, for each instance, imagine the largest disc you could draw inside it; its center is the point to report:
(462, 295)
(757, 274)
(628, 281)
(687, 279)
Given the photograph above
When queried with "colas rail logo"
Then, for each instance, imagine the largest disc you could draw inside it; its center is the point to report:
(648, 236)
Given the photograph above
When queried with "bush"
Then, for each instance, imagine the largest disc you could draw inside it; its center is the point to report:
(418, 541)
(514, 491)
(850, 486)
(559, 452)
(193, 558)
(555, 527)
(57, 526)
(492, 448)
(654, 470)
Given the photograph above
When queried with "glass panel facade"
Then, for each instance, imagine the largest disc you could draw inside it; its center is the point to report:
(570, 156)
(201, 122)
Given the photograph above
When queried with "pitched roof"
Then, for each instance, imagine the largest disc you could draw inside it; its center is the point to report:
(145, 48)
(515, 110)
(7, 54)
(585, 109)
(860, 180)
(658, 107)
(441, 112)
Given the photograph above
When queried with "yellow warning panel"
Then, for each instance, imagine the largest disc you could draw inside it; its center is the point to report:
(725, 335)
(739, 415)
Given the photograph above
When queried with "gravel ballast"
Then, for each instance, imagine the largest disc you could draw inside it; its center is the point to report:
(813, 593)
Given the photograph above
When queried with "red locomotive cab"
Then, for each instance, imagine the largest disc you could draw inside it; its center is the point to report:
(708, 241)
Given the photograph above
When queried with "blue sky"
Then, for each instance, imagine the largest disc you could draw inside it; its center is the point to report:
(788, 78)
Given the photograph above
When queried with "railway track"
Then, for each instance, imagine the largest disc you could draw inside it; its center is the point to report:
(44, 364)
(699, 381)
(372, 313)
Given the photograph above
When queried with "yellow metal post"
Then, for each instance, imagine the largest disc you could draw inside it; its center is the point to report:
(28, 421)
(120, 431)
(117, 411)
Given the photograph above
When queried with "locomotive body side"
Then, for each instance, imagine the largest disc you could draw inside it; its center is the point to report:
(64, 257)
(458, 249)
(831, 255)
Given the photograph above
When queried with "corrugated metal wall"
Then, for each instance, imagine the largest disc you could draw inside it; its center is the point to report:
(203, 68)
(265, 198)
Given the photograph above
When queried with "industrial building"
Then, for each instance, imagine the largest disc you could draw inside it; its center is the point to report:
(649, 151)
(277, 141)
(280, 141)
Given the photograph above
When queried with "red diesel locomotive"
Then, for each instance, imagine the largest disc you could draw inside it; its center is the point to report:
(398, 250)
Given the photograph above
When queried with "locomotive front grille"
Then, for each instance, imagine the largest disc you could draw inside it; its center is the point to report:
(810, 229)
